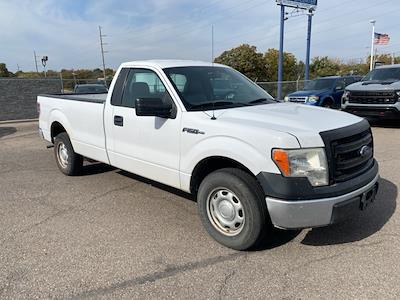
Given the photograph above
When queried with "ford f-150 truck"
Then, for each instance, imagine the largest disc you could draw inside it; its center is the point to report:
(377, 96)
(251, 161)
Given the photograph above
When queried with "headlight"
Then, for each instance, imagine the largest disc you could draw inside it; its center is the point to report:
(312, 99)
(398, 93)
(309, 163)
(345, 96)
(286, 99)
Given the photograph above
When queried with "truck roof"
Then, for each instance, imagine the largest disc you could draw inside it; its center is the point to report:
(388, 66)
(170, 63)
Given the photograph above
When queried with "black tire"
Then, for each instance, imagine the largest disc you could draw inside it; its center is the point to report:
(248, 192)
(328, 103)
(72, 163)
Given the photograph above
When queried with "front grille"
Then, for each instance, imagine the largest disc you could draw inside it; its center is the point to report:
(373, 97)
(349, 151)
(298, 99)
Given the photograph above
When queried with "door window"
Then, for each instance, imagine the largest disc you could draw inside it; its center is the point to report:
(340, 85)
(142, 83)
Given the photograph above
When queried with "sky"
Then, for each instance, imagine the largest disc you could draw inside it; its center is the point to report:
(67, 30)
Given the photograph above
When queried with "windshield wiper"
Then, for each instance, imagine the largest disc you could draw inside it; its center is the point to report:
(212, 104)
(261, 100)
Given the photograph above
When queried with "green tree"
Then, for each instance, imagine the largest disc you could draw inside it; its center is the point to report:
(324, 66)
(4, 71)
(290, 66)
(246, 60)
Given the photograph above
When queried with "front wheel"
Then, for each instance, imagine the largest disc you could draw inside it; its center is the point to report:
(232, 208)
(69, 162)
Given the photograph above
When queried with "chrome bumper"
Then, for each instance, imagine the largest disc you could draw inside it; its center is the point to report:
(309, 213)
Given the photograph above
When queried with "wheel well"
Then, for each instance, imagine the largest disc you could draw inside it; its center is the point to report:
(328, 100)
(209, 165)
(56, 129)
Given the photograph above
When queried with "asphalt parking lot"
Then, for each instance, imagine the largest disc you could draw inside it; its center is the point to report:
(109, 234)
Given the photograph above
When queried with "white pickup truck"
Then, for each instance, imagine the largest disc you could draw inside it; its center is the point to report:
(206, 129)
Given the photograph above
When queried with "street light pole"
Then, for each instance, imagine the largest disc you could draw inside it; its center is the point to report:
(371, 66)
(307, 71)
(280, 59)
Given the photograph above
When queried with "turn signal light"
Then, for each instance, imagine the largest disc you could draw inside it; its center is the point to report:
(282, 160)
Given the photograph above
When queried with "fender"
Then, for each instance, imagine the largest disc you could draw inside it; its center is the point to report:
(224, 146)
(57, 115)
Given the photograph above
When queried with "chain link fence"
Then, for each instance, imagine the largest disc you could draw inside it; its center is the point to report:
(68, 84)
(287, 87)
(18, 97)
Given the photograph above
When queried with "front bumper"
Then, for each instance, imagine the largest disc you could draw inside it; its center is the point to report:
(318, 212)
(374, 112)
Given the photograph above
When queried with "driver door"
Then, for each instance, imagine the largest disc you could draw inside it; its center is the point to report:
(145, 145)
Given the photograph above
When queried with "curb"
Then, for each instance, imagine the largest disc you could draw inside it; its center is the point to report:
(19, 121)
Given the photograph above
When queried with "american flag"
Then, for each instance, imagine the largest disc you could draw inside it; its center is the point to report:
(381, 39)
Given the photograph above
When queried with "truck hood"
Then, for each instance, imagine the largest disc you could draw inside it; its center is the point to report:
(302, 121)
(308, 93)
(365, 86)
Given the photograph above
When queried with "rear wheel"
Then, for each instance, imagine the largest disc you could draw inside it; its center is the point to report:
(69, 162)
(232, 208)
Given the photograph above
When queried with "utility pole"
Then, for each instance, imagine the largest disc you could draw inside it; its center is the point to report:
(392, 58)
(102, 54)
(280, 59)
(35, 57)
(371, 65)
(307, 73)
(212, 43)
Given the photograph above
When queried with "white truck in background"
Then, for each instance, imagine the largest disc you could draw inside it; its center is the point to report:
(208, 130)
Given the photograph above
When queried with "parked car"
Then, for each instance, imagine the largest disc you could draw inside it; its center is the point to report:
(377, 96)
(324, 91)
(252, 162)
(90, 89)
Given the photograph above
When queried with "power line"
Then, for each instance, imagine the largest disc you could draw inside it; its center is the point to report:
(190, 22)
(320, 31)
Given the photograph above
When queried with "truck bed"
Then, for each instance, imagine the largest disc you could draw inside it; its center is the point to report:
(82, 117)
(95, 98)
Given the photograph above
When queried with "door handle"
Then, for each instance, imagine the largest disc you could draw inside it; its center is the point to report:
(118, 121)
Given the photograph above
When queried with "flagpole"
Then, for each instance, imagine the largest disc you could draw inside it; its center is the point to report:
(371, 66)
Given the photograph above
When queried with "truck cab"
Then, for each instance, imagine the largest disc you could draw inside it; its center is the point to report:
(376, 96)
(324, 91)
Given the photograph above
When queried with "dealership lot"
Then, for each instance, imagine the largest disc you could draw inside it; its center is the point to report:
(109, 233)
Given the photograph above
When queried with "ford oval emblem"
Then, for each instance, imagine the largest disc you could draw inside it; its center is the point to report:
(365, 151)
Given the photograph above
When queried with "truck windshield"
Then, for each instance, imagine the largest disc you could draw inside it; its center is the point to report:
(384, 74)
(319, 84)
(202, 88)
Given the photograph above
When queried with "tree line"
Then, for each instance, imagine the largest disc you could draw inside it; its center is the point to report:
(67, 74)
(247, 60)
(264, 66)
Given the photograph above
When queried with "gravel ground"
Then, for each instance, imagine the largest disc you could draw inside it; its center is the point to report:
(110, 234)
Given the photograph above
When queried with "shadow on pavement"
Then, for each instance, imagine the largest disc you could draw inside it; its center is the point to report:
(276, 238)
(158, 185)
(362, 225)
(4, 131)
(95, 168)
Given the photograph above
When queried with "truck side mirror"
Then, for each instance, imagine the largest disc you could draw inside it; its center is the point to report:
(153, 107)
